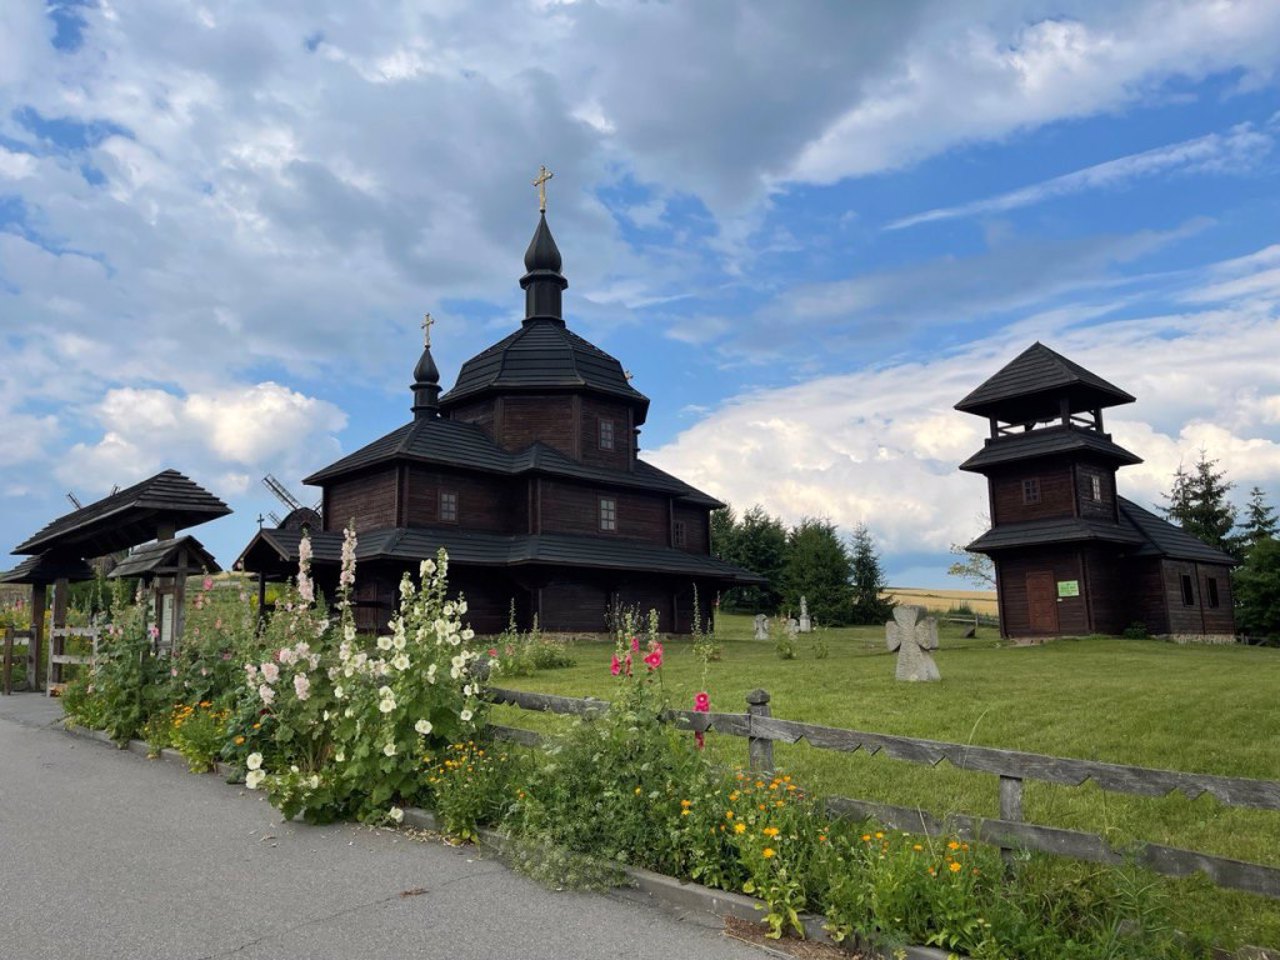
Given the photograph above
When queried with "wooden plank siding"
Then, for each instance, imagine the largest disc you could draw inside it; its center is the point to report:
(369, 499)
(696, 528)
(1011, 572)
(1057, 496)
(492, 504)
(522, 420)
(1148, 602)
(568, 507)
(592, 412)
(1108, 590)
(1104, 509)
(480, 412)
(1197, 617)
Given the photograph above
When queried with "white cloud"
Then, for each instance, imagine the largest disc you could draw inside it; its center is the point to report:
(1238, 151)
(881, 446)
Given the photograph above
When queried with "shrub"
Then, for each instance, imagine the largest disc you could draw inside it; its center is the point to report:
(198, 733)
(471, 784)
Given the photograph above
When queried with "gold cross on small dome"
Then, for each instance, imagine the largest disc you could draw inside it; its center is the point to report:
(541, 183)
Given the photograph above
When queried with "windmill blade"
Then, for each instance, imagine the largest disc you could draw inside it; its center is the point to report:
(274, 517)
(72, 497)
(283, 495)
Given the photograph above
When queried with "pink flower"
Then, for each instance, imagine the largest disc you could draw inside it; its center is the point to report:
(701, 703)
(615, 667)
(626, 664)
(493, 651)
(270, 672)
(208, 584)
(635, 644)
(653, 660)
(302, 686)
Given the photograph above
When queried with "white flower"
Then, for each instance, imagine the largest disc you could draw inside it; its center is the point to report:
(270, 672)
(399, 641)
(396, 814)
(251, 672)
(385, 692)
(302, 686)
(384, 643)
(448, 609)
(266, 693)
(294, 768)
(314, 781)
(431, 674)
(325, 715)
(462, 608)
(465, 716)
(406, 587)
(286, 656)
(254, 779)
(254, 761)
(455, 673)
(459, 661)
(423, 727)
(466, 690)
(401, 662)
(386, 706)
(339, 691)
(349, 633)
(340, 756)
(426, 568)
(390, 749)
(348, 713)
(302, 648)
(468, 634)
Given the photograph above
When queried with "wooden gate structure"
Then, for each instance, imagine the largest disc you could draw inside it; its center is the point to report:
(153, 510)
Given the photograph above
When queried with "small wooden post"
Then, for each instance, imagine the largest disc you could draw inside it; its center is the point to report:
(1010, 809)
(58, 643)
(7, 664)
(38, 604)
(759, 750)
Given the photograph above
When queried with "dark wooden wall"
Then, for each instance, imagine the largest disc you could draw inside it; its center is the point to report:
(1109, 590)
(573, 605)
(592, 412)
(575, 508)
(695, 528)
(522, 420)
(1056, 494)
(480, 413)
(1104, 509)
(1011, 571)
(492, 504)
(369, 499)
(1198, 617)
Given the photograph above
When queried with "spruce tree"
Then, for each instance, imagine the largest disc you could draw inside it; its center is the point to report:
(761, 547)
(1198, 503)
(1260, 521)
(868, 581)
(818, 569)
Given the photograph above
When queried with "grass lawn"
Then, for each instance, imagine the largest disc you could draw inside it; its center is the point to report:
(1202, 709)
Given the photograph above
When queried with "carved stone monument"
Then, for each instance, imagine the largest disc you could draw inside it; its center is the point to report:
(806, 625)
(762, 627)
(792, 627)
(913, 638)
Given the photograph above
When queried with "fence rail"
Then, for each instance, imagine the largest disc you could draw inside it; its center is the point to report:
(1009, 831)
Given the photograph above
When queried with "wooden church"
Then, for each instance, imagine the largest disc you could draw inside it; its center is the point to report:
(1071, 555)
(527, 473)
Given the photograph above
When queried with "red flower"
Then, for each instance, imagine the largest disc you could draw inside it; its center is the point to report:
(616, 666)
(635, 644)
(627, 664)
(701, 703)
(493, 651)
(654, 658)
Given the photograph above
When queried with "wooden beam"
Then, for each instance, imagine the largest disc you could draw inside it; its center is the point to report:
(39, 603)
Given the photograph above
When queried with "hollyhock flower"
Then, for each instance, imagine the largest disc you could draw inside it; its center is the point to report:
(253, 761)
(339, 691)
(266, 693)
(270, 672)
(401, 662)
(426, 568)
(431, 673)
(207, 585)
(253, 779)
(635, 644)
(386, 706)
(286, 656)
(465, 716)
(306, 589)
(626, 664)
(615, 667)
(493, 651)
(423, 727)
(384, 643)
(653, 660)
(390, 749)
(396, 814)
(701, 703)
(302, 686)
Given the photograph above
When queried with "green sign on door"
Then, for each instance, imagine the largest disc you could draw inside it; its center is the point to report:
(1068, 588)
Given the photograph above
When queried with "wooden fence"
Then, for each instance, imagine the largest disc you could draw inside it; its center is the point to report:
(59, 658)
(13, 641)
(1009, 831)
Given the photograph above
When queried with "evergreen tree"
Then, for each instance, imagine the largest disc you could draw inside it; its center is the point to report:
(818, 569)
(724, 534)
(868, 581)
(1259, 521)
(761, 547)
(1257, 590)
(1198, 503)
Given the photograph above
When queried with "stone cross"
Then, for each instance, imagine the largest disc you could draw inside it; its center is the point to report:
(913, 638)
(540, 181)
(806, 624)
(427, 323)
(762, 627)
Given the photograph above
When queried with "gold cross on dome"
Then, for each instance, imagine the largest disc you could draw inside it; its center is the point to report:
(541, 183)
(427, 321)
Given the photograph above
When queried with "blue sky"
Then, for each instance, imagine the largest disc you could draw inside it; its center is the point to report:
(808, 230)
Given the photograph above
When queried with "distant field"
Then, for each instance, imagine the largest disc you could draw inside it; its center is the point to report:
(979, 601)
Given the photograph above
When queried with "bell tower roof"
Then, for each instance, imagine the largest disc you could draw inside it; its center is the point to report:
(1033, 386)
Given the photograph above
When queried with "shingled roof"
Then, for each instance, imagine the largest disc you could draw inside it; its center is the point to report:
(47, 569)
(460, 444)
(1044, 442)
(162, 557)
(544, 355)
(273, 550)
(128, 517)
(1030, 385)
(1164, 539)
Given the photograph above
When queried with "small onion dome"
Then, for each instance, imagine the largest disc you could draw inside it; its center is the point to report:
(426, 387)
(543, 254)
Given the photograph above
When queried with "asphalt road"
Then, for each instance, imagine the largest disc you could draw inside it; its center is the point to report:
(106, 855)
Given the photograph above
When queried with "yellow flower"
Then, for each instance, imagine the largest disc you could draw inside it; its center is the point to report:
(728, 814)
(767, 852)
(684, 812)
(879, 836)
(739, 827)
(866, 838)
(686, 804)
(953, 845)
(637, 791)
(239, 741)
(916, 847)
(770, 831)
(955, 866)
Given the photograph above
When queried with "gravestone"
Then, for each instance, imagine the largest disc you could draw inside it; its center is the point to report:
(913, 638)
(806, 625)
(793, 627)
(762, 627)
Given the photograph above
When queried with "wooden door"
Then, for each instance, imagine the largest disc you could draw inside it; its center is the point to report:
(1042, 602)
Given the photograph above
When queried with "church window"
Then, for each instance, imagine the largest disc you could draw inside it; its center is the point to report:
(1031, 490)
(678, 534)
(1212, 584)
(1095, 487)
(606, 434)
(608, 513)
(448, 506)
(1188, 592)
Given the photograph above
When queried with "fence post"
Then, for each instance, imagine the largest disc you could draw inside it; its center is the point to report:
(7, 665)
(759, 750)
(1010, 809)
